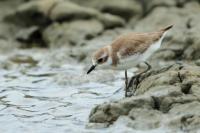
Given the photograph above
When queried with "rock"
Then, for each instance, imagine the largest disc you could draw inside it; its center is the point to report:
(7, 31)
(29, 14)
(23, 59)
(125, 9)
(109, 112)
(164, 93)
(42, 22)
(25, 34)
(149, 6)
(68, 10)
(7, 45)
(6, 6)
(45, 12)
(139, 119)
(111, 21)
(72, 33)
(30, 37)
(186, 123)
(190, 108)
(197, 62)
(176, 80)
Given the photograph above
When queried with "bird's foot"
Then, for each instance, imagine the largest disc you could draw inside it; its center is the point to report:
(134, 81)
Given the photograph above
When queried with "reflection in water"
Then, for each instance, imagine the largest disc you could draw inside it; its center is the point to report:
(42, 101)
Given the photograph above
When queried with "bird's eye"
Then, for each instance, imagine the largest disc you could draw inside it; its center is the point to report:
(100, 60)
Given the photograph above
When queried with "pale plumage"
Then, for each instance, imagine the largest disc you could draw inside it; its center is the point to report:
(128, 50)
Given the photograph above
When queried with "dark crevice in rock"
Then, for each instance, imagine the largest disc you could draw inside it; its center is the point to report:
(179, 74)
(71, 18)
(185, 88)
(188, 23)
(35, 39)
(180, 78)
(178, 52)
(49, 12)
(39, 19)
(146, 12)
(125, 15)
(185, 123)
(156, 103)
(180, 3)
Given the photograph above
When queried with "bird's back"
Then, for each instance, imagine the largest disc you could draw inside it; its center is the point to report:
(134, 44)
(137, 42)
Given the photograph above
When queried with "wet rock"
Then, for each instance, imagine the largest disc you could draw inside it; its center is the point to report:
(165, 93)
(7, 31)
(139, 119)
(110, 21)
(30, 37)
(190, 108)
(6, 6)
(149, 6)
(71, 33)
(29, 14)
(42, 22)
(125, 9)
(45, 12)
(67, 10)
(197, 62)
(171, 87)
(109, 112)
(23, 59)
(24, 35)
(185, 123)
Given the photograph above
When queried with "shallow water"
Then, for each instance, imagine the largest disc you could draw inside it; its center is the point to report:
(42, 100)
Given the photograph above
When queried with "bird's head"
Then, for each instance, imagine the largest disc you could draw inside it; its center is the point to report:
(99, 57)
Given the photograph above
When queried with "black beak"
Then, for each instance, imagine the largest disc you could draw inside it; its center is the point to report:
(91, 68)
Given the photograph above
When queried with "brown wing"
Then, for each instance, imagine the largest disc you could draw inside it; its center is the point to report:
(133, 43)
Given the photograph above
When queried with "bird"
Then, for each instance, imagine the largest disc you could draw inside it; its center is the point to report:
(128, 50)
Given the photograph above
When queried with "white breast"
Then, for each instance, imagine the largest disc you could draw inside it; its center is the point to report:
(128, 62)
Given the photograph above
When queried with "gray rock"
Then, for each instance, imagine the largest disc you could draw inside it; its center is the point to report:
(44, 12)
(111, 21)
(109, 112)
(166, 93)
(71, 33)
(144, 119)
(30, 13)
(125, 9)
(68, 10)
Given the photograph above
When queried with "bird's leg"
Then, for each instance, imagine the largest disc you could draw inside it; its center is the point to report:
(148, 68)
(135, 79)
(126, 84)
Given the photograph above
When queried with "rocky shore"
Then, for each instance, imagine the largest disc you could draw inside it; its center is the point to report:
(53, 33)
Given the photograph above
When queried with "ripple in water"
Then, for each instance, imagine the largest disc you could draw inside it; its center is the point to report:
(52, 100)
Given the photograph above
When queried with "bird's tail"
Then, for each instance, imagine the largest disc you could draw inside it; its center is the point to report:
(167, 28)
